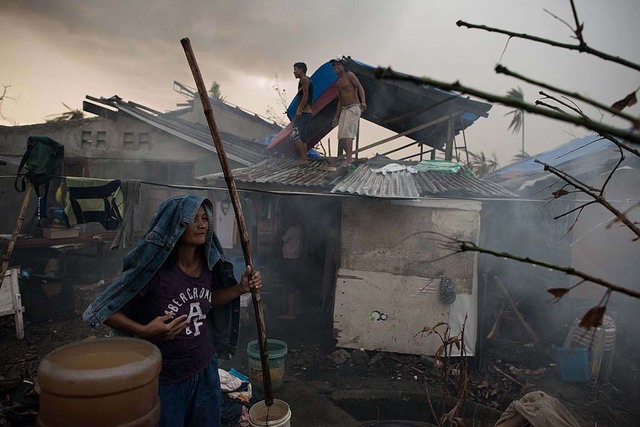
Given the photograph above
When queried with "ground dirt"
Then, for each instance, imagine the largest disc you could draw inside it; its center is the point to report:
(326, 386)
(349, 388)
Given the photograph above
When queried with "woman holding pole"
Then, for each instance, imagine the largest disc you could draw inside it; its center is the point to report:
(177, 292)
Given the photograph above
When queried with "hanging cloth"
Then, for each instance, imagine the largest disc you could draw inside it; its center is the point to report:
(94, 200)
(131, 191)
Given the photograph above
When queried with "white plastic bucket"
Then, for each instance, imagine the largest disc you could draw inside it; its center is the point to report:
(276, 415)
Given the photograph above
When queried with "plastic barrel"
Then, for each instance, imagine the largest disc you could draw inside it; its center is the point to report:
(276, 415)
(99, 383)
(277, 352)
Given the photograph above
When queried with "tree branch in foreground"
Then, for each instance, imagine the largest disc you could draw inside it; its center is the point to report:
(501, 69)
(388, 73)
(580, 47)
(596, 196)
(462, 246)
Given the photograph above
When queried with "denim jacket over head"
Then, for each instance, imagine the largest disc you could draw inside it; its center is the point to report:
(145, 259)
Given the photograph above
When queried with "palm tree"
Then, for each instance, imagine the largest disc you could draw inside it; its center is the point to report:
(214, 91)
(517, 122)
(481, 164)
(521, 156)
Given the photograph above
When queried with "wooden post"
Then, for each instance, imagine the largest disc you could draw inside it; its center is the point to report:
(237, 207)
(409, 131)
(519, 316)
(448, 150)
(6, 258)
(16, 299)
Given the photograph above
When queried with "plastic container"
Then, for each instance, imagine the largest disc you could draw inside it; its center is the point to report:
(276, 415)
(572, 363)
(277, 352)
(102, 382)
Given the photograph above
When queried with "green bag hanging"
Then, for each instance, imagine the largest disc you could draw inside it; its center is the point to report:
(41, 160)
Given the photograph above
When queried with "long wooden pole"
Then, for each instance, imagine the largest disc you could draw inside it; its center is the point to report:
(6, 257)
(237, 207)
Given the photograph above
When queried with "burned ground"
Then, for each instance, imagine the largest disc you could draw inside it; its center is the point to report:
(326, 386)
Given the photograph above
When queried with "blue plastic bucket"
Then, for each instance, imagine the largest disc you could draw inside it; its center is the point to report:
(277, 352)
(572, 363)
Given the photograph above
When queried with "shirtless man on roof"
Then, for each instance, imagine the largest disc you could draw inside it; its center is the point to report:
(351, 104)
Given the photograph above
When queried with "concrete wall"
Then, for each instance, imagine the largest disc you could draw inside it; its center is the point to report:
(102, 148)
(100, 138)
(391, 265)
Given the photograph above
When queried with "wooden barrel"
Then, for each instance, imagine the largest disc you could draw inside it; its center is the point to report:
(100, 383)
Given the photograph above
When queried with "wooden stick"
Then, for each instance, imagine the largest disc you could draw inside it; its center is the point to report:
(494, 328)
(520, 317)
(408, 132)
(6, 258)
(507, 376)
(237, 207)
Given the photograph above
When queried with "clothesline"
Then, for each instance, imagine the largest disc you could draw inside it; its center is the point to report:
(306, 193)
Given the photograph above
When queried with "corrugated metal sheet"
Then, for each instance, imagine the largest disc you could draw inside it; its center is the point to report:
(326, 176)
(459, 184)
(404, 185)
(365, 182)
(236, 148)
(288, 172)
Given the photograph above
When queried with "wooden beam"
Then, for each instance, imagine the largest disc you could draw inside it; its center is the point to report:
(519, 316)
(400, 148)
(410, 131)
(421, 110)
(448, 151)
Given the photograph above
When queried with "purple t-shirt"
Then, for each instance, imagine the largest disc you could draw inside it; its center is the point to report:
(171, 289)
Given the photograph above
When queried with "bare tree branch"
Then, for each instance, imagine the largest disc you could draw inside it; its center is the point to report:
(388, 73)
(553, 107)
(595, 194)
(561, 102)
(5, 89)
(559, 19)
(579, 26)
(472, 247)
(500, 69)
(581, 47)
(615, 168)
(579, 208)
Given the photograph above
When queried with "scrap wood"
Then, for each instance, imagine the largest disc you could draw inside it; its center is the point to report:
(507, 376)
(6, 257)
(494, 329)
(520, 317)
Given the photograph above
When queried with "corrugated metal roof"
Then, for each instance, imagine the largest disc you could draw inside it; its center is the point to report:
(365, 182)
(326, 176)
(237, 149)
(289, 172)
(405, 185)
(589, 159)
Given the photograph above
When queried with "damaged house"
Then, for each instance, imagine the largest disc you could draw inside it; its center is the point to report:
(129, 142)
(555, 230)
(373, 261)
(373, 257)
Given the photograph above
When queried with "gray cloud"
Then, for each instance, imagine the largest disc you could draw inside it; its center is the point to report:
(132, 48)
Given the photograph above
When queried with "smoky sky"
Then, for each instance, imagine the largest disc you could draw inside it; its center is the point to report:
(257, 36)
(58, 51)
